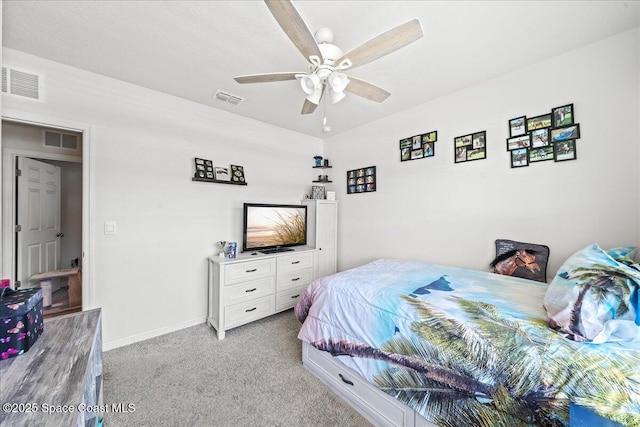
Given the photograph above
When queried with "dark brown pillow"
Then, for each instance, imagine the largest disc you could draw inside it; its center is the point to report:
(520, 259)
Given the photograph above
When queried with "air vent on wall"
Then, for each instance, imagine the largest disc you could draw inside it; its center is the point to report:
(21, 83)
(60, 140)
(227, 97)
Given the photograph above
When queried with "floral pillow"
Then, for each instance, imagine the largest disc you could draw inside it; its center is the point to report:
(596, 296)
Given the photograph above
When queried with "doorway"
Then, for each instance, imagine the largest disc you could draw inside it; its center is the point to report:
(66, 253)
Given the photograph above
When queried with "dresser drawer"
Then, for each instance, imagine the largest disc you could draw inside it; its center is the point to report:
(294, 279)
(287, 299)
(242, 271)
(243, 291)
(249, 311)
(295, 261)
(376, 404)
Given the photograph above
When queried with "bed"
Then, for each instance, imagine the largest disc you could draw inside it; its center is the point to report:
(418, 344)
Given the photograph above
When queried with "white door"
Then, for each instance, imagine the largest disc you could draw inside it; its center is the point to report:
(327, 237)
(38, 218)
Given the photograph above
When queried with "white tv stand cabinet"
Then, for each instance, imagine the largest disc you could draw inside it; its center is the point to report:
(256, 285)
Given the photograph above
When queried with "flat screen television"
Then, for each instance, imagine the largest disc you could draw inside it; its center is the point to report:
(270, 228)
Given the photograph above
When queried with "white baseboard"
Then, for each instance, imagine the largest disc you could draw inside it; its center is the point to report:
(110, 345)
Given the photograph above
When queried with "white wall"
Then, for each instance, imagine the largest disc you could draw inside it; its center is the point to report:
(432, 209)
(151, 277)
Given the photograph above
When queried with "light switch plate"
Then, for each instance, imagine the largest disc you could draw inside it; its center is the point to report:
(110, 228)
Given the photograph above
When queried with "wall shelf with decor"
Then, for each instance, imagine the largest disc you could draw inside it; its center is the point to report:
(206, 172)
(322, 167)
(217, 181)
(322, 181)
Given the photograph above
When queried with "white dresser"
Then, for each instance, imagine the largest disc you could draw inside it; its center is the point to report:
(251, 287)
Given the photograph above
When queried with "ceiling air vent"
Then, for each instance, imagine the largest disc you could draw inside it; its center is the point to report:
(227, 97)
(24, 84)
(60, 140)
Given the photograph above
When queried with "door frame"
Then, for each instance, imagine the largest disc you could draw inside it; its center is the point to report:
(9, 161)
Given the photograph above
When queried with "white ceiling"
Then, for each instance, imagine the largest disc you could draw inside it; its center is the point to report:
(192, 48)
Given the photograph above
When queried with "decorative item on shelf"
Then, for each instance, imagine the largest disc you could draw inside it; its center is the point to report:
(237, 173)
(470, 147)
(231, 250)
(361, 180)
(549, 136)
(322, 179)
(317, 192)
(318, 160)
(331, 195)
(223, 245)
(326, 163)
(204, 168)
(418, 146)
(221, 174)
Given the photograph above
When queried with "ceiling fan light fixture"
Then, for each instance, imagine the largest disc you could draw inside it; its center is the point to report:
(315, 96)
(338, 81)
(310, 83)
(336, 96)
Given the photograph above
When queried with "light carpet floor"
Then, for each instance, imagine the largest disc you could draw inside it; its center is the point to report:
(254, 377)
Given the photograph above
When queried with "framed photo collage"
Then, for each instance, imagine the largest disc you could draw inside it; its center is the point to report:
(470, 147)
(361, 180)
(550, 136)
(418, 146)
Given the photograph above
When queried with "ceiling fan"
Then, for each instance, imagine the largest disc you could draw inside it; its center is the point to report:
(327, 61)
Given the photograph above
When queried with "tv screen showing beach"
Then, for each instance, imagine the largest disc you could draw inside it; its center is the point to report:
(268, 226)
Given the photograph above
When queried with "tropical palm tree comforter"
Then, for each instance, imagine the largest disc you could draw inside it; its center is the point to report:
(465, 347)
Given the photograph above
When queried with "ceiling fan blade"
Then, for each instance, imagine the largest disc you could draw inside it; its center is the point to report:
(308, 107)
(384, 44)
(366, 90)
(266, 78)
(294, 27)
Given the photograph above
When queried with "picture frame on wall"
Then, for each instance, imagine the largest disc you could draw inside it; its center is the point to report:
(405, 154)
(519, 158)
(518, 142)
(537, 122)
(470, 147)
(562, 116)
(564, 133)
(430, 137)
(418, 146)
(429, 149)
(564, 150)
(237, 173)
(462, 141)
(541, 154)
(417, 142)
(518, 126)
(539, 138)
(460, 154)
(203, 168)
(362, 180)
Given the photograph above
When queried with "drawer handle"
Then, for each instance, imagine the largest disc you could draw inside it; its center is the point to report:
(295, 262)
(295, 280)
(251, 271)
(251, 309)
(251, 290)
(295, 296)
(344, 380)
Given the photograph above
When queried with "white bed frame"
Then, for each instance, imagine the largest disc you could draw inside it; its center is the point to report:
(375, 405)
